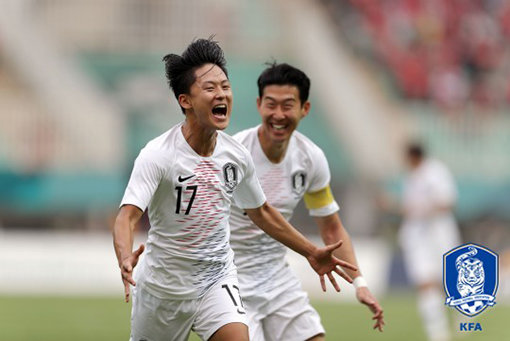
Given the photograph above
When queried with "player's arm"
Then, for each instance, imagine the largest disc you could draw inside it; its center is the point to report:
(123, 234)
(321, 259)
(332, 230)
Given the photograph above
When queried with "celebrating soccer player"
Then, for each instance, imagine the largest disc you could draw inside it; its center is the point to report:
(289, 167)
(187, 178)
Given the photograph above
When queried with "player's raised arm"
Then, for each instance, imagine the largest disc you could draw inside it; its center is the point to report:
(123, 233)
(332, 230)
(321, 260)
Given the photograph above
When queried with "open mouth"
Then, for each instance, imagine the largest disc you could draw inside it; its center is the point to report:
(278, 126)
(220, 110)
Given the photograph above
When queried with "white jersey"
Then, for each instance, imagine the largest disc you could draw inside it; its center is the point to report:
(426, 234)
(260, 260)
(428, 186)
(188, 198)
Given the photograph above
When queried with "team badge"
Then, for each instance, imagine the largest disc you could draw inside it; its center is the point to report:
(470, 278)
(230, 176)
(298, 182)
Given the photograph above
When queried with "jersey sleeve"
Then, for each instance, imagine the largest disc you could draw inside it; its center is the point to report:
(249, 193)
(319, 199)
(144, 181)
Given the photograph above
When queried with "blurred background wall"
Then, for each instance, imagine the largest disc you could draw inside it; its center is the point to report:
(82, 89)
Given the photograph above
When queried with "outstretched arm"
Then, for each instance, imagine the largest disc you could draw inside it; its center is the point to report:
(321, 259)
(332, 230)
(123, 235)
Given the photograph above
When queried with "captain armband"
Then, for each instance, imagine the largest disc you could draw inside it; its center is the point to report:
(319, 199)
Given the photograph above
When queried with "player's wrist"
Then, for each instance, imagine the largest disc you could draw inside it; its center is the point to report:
(359, 282)
(311, 252)
(123, 258)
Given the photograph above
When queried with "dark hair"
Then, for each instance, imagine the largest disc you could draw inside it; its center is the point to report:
(180, 70)
(284, 74)
(415, 150)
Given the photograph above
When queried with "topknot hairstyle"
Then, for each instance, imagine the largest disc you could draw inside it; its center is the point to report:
(284, 74)
(180, 70)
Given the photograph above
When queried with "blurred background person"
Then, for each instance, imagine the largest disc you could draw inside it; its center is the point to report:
(428, 231)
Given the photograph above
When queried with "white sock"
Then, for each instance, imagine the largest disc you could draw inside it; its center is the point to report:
(433, 313)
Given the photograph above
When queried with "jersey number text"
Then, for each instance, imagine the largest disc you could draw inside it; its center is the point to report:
(240, 307)
(179, 198)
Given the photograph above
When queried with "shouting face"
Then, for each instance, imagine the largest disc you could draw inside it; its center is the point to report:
(209, 103)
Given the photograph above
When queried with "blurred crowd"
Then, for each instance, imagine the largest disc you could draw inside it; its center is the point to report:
(452, 52)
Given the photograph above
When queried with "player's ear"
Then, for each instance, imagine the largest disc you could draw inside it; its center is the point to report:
(259, 103)
(305, 109)
(185, 101)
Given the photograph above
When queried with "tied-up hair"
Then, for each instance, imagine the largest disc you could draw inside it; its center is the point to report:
(284, 74)
(180, 70)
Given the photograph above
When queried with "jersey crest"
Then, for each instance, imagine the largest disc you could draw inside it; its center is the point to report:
(470, 276)
(298, 181)
(230, 174)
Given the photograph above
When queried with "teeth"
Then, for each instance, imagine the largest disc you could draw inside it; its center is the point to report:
(278, 126)
(220, 109)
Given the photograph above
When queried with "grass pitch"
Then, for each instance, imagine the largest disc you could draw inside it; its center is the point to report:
(93, 318)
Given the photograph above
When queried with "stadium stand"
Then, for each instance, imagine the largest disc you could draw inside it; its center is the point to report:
(444, 62)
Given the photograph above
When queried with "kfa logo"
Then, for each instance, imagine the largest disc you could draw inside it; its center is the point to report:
(230, 176)
(470, 278)
(468, 327)
(298, 181)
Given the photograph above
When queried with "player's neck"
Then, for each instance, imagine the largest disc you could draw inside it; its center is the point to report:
(201, 140)
(274, 151)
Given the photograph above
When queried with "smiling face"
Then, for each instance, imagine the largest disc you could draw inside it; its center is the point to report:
(209, 102)
(281, 110)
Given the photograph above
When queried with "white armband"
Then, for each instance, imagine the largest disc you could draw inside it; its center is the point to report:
(359, 282)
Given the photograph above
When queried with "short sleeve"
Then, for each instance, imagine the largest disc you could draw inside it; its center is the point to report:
(144, 181)
(319, 199)
(249, 193)
(320, 176)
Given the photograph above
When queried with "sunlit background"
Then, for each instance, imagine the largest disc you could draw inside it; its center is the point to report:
(82, 90)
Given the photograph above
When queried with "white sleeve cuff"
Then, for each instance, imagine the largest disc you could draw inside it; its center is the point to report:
(325, 211)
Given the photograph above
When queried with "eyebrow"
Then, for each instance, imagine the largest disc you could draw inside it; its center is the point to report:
(283, 100)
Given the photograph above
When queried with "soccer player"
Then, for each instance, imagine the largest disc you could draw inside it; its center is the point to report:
(187, 178)
(428, 231)
(289, 167)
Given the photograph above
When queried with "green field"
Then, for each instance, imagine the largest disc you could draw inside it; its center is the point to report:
(92, 318)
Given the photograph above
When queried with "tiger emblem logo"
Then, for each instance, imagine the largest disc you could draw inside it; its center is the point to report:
(471, 275)
(470, 282)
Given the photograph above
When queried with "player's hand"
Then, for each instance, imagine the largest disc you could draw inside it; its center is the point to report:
(365, 296)
(324, 263)
(126, 269)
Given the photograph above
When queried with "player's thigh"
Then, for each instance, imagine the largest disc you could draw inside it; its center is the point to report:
(447, 235)
(153, 319)
(235, 331)
(293, 319)
(418, 251)
(221, 311)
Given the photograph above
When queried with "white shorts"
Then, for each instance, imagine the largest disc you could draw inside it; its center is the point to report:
(423, 245)
(154, 319)
(287, 316)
